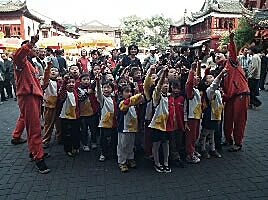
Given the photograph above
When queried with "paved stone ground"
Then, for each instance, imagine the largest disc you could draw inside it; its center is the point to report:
(241, 175)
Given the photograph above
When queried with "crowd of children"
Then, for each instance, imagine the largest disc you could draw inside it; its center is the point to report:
(126, 108)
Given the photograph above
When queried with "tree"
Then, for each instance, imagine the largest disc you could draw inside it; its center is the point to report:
(158, 26)
(132, 30)
(145, 32)
(244, 34)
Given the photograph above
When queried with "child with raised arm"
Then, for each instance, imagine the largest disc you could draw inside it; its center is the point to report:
(89, 114)
(50, 87)
(212, 113)
(192, 115)
(162, 123)
(70, 98)
(149, 85)
(108, 123)
(128, 126)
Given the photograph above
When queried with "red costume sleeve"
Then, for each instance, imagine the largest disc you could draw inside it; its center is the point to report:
(232, 51)
(189, 87)
(21, 54)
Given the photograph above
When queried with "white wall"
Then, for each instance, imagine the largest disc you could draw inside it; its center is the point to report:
(34, 26)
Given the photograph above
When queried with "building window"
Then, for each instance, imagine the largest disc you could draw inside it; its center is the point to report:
(182, 30)
(7, 30)
(29, 31)
(15, 30)
(44, 34)
(217, 23)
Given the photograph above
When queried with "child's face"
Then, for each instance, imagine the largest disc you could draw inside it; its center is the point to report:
(106, 70)
(137, 75)
(165, 87)
(70, 85)
(96, 70)
(75, 71)
(171, 74)
(209, 79)
(84, 53)
(95, 56)
(107, 90)
(153, 78)
(54, 73)
(85, 81)
(126, 93)
(126, 75)
(109, 77)
(175, 89)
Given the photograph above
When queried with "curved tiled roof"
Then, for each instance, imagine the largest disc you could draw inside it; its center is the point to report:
(221, 6)
(10, 6)
(256, 17)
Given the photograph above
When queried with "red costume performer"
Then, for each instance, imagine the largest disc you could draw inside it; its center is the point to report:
(29, 95)
(236, 98)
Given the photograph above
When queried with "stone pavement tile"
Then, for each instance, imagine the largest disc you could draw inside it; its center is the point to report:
(17, 196)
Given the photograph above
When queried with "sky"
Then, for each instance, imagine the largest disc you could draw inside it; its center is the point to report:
(110, 12)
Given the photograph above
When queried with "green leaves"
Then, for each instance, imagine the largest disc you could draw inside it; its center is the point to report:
(145, 32)
(244, 35)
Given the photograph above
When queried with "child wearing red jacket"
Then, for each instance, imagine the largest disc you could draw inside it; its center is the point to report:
(89, 114)
(70, 98)
(176, 142)
(192, 116)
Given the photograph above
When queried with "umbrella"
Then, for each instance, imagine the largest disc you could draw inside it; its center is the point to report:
(57, 42)
(10, 43)
(96, 39)
(86, 40)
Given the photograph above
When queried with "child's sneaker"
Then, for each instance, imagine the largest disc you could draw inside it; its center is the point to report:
(192, 159)
(70, 154)
(102, 158)
(216, 154)
(123, 167)
(93, 146)
(131, 163)
(76, 151)
(159, 169)
(42, 167)
(197, 154)
(205, 154)
(86, 148)
(167, 169)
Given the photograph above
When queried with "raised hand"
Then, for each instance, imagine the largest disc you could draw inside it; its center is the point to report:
(153, 69)
(194, 66)
(34, 39)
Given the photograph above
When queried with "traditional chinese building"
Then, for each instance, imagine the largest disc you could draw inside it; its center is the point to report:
(17, 21)
(97, 27)
(256, 14)
(206, 26)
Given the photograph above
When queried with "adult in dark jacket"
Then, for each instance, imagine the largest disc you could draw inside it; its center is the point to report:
(7, 65)
(264, 67)
(61, 61)
(132, 59)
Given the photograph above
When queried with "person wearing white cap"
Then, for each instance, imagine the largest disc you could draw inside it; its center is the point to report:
(151, 59)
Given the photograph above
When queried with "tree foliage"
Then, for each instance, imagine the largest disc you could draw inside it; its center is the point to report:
(145, 32)
(244, 34)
